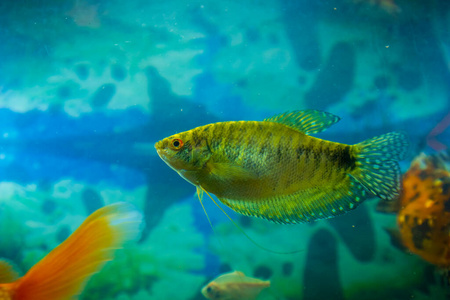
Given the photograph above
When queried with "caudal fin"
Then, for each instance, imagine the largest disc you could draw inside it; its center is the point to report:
(63, 273)
(377, 161)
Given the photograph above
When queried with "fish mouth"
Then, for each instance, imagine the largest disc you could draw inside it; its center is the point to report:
(159, 149)
(162, 154)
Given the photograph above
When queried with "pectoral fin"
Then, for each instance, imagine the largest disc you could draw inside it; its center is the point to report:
(229, 171)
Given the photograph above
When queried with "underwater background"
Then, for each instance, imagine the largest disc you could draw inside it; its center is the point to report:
(88, 86)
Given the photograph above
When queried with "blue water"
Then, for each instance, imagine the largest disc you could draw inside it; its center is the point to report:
(88, 86)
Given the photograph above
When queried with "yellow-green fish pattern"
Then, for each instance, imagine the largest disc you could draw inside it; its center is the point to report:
(274, 169)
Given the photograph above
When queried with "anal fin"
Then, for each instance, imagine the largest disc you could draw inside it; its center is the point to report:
(305, 205)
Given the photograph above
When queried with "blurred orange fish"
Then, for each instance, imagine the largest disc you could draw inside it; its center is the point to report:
(424, 211)
(234, 286)
(63, 273)
(424, 216)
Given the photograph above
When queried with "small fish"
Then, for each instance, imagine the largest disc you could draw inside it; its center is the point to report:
(234, 286)
(273, 169)
(63, 273)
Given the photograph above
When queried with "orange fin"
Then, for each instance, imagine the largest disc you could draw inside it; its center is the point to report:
(63, 273)
(7, 272)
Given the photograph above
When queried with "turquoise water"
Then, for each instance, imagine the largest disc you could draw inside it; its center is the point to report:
(88, 86)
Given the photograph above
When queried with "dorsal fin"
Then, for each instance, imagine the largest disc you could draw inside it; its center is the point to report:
(7, 272)
(308, 121)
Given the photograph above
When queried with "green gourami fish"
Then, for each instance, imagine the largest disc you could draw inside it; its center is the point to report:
(273, 169)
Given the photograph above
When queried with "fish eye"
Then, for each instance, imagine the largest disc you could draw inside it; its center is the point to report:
(209, 289)
(176, 144)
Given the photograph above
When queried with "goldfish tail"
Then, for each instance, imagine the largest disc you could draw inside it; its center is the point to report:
(63, 273)
(377, 164)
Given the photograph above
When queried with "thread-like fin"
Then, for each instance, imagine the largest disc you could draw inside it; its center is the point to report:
(62, 274)
(199, 193)
(305, 205)
(240, 229)
(307, 121)
(377, 167)
(7, 272)
(200, 199)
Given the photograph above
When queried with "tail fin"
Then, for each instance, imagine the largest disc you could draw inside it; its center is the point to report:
(378, 170)
(63, 273)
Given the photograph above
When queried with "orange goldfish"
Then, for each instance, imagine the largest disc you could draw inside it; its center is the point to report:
(275, 170)
(234, 286)
(63, 273)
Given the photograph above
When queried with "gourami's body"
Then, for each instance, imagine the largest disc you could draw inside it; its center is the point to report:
(273, 169)
(62, 274)
(234, 286)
